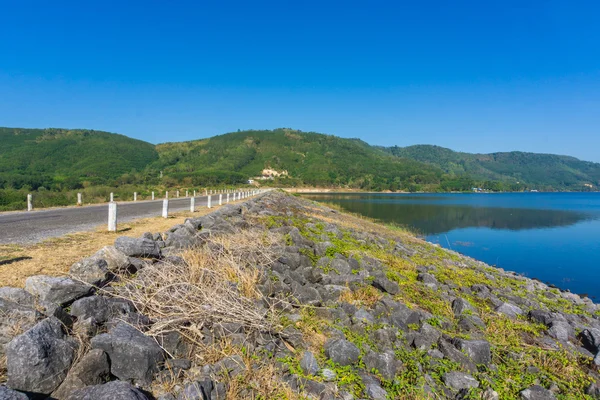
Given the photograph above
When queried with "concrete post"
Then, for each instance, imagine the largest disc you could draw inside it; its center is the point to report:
(210, 191)
(186, 193)
(134, 196)
(152, 195)
(165, 210)
(194, 193)
(192, 204)
(177, 193)
(112, 197)
(208, 201)
(206, 192)
(79, 199)
(112, 216)
(227, 201)
(29, 202)
(220, 199)
(167, 194)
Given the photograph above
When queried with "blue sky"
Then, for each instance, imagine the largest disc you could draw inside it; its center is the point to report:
(475, 76)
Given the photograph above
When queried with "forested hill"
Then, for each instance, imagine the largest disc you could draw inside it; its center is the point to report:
(309, 158)
(64, 159)
(540, 171)
(61, 159)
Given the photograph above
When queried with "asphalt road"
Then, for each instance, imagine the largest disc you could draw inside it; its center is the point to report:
(24, 227)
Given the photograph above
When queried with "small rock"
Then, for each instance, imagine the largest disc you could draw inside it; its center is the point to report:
(116, 390)
(510, 310)
(133, 247)
(426, 337)
(91, 270)
(328, 375)
(385, 285)
(309, 363)
(461, 307)
(92, 369)
(458, 381)
(478, 350)
(376, 392)
(385, 364)
(9, 394)
(537, 393)
(115, 260)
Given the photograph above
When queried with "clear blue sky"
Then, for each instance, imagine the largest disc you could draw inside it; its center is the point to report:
(476, 76)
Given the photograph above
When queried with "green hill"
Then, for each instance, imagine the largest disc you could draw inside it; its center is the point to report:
(309, 158)
(532, 170)
(64, 159)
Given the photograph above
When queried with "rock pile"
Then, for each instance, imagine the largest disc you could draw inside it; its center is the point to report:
(360, 314)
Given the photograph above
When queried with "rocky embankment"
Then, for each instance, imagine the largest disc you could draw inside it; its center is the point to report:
(279, 297)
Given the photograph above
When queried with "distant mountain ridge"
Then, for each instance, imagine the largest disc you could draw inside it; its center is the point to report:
(535, 169)
(63, 159)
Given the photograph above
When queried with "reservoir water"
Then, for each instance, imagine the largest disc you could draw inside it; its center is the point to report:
(554, 237)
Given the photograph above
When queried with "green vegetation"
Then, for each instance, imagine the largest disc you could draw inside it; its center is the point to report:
(58, 162)
(505, 171)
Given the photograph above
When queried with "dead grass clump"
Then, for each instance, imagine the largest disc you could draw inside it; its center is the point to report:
(259, 381)
(216, 283)
(365, 295)
(3, 369)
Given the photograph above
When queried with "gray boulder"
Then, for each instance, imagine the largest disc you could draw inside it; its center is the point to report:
(385, 364)
(461, 307)
(9, 394)
(199, 390)
(451, 353)
(590, 338)
(459, 381)
(133, 355)
(510, 310)
(309, 363)
(134, 247)
(17, 295)
(537, 393)
(385, 285)
(115, 260)
(478, 350)
(116, 390)
(59, 290)
(426, 337)
(91, 270)
(39, 359)
(92, 369)
(95, 307)
(15, 317)
(341, 351)
(376, 392)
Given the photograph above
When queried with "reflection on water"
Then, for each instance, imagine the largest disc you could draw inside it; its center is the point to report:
(510, 230)
(431, 215)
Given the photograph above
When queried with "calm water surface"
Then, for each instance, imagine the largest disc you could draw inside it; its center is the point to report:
(554, 237)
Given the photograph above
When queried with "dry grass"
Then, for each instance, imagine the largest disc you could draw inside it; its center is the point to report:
(217, 283)
(365, 295)
(55, 256)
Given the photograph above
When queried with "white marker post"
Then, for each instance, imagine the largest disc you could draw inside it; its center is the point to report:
(227, 200)
(177, 193)
(112, 197)
(208, 201)
(134, 196)
(79, 199)
(152, 195)
(112, 216)
(193, 204)
(194, 193)
(166, 194)
(206, 192)
(165, 210)
(220, 199)
(186, 193)
(29, 202)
